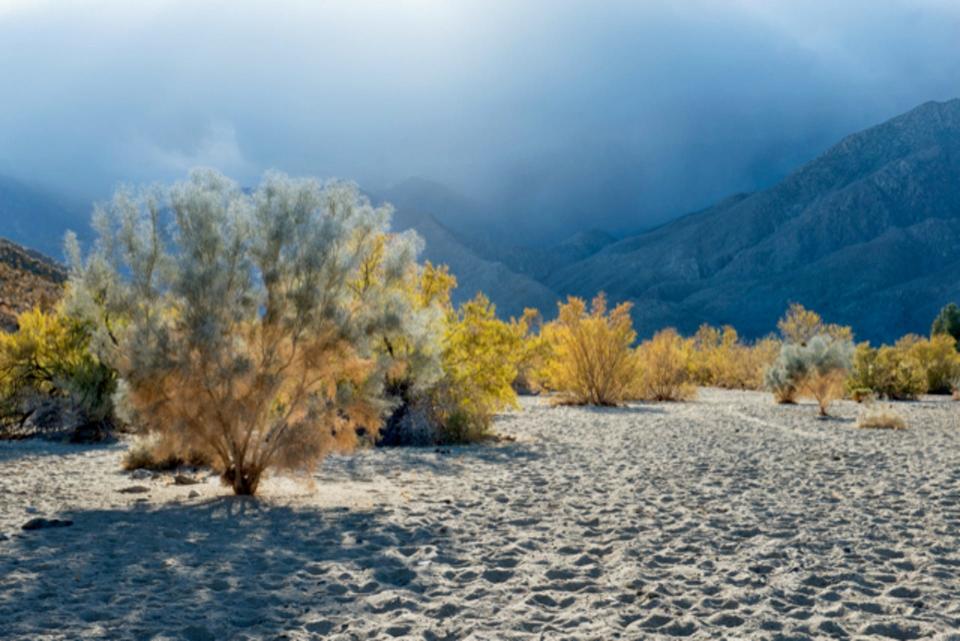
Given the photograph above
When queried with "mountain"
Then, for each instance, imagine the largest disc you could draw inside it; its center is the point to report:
(38, 218)
(510, 291)
(27, 279)
(868, 234)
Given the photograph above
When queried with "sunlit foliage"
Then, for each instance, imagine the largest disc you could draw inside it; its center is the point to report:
(48, 359)
(246, 331)
(592, 359)
(799, 325)
(817, 368)
(480, 359)
(721, 359)
(666, 363)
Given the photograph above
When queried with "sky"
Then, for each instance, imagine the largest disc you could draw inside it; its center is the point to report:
(549, 116)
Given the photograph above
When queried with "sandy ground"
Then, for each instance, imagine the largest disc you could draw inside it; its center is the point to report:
(726, 518)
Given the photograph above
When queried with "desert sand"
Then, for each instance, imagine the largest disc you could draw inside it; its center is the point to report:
(724, 518)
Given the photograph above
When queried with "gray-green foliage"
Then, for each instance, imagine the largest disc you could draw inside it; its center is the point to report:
(820, 355)
(235, 319)
(948, 322)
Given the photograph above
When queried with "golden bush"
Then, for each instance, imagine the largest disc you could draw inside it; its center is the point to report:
(480, 357)
(824, 386)
(665, 365)
(880, 417)
(799, 325)
(721, 359)
(938, 358)
(592, 361)
(48, 357)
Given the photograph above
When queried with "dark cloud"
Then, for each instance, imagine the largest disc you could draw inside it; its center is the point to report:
(561, 115)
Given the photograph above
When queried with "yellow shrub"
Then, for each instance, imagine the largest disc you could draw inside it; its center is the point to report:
(535, 353)
(48, 358)
(480, 357)
(592, 362)
(665, 364)
(799, 325)
(720, 359)
(938, 358)
(888, 371)
(824, 386)
(875, 417)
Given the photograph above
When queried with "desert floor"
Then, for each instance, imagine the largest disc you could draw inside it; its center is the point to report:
(727, 517)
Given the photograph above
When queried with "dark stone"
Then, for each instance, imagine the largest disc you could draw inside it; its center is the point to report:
(42, 524)
(134, 489)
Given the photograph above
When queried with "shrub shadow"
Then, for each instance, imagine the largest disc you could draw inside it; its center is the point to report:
(226, 567)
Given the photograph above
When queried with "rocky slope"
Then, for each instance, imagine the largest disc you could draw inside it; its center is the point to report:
(27, 279)
(868, 234)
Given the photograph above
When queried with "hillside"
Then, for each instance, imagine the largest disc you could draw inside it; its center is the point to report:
(868, 234)
(510, 291)
(27, 279)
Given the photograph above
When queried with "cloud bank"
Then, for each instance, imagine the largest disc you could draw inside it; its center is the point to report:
(554, 115)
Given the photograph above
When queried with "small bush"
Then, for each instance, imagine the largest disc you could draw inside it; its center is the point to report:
(817, 368)
(592, 361)
(721, 359)
(535, 353)
(665, 366)
(880, 417)
(799, 325)
(480, 357)
(938, 358)
(47, 364)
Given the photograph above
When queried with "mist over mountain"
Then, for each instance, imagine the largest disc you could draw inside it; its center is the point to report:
(868, 234)
(38, 217)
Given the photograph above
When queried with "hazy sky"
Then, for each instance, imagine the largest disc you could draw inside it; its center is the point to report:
(561, 113)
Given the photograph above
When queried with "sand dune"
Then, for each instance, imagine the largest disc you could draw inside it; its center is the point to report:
(726, 518)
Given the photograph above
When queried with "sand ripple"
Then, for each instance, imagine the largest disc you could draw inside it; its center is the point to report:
(727, 518)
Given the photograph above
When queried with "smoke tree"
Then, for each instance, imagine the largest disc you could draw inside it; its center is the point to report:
(236, 320)
(817, 368)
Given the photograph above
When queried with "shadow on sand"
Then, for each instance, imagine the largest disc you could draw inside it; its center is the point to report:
(212, 570)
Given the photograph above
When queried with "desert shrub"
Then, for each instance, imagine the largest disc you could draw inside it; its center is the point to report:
(592, 360)
(904, 371)
(665, 367)
(938, 358)
(799, 325)
(535, 354)
(783, 376)
(948, 322)
(721, 359)
(479, 363)
(243, 336)
(817, 368)
(455, 372)
(47, 363)
(880, 417)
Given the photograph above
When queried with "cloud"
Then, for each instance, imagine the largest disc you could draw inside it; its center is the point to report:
(217, 146)
(552, 115)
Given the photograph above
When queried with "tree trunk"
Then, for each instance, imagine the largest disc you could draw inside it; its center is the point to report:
(244, 482)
